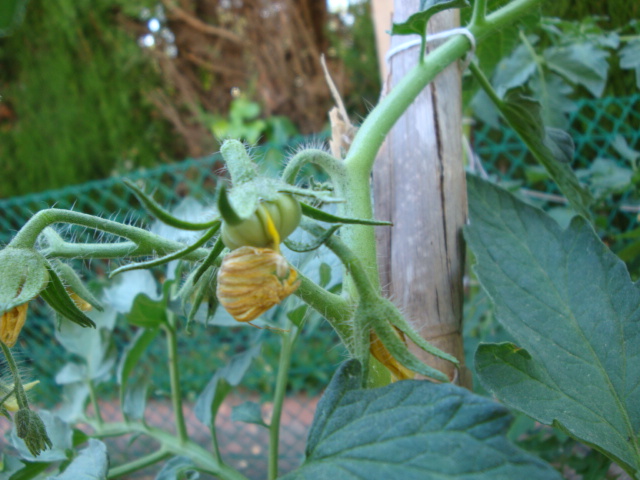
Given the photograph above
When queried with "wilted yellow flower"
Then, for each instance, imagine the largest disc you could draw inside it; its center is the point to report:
(80, 302)
(11, 324)
(252, 280)
(11, 403)
(380, 352)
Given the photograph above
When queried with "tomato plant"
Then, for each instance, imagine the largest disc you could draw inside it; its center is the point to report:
(566, 300)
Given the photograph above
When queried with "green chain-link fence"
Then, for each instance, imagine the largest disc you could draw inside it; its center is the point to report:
(596, 126)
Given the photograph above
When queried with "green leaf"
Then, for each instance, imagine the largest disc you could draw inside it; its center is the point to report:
(92, 463)
(133, 397)
(219, 386)
(554, 94)
(96, 348)
(248, 412)
(581, 63)
(502, 42)
(515, 70)
(570, 305)
(416, 24)
(411, 430)
(630, 58)
(133, 352)
(177, 468)
(14, 469)
(553, 148)
(149, 313)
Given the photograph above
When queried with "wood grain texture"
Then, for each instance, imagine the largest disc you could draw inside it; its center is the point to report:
(419, 185)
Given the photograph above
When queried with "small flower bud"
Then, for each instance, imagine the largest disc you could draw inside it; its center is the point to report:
(30, 428)
(11, 324)
(252, 280)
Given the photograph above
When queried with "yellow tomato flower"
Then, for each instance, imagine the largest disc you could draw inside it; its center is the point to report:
(80, 302)
(380, 352)
(11, 324)
(252, 280)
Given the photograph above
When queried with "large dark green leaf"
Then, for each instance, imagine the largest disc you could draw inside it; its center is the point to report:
(553, 148)
(411, 430)
(569, 304)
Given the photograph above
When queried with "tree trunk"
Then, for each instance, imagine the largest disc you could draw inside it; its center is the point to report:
(419, 185)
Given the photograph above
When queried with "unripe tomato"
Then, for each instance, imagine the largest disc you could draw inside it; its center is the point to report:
(285, 213)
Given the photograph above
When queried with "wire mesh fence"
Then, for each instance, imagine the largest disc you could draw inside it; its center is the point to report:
(598, 127)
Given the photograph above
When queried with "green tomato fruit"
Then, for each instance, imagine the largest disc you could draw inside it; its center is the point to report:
(285, 213)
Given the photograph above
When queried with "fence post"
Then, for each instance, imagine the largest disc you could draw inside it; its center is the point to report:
(419, 184)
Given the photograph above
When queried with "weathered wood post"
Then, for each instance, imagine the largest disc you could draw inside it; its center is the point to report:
(419, 184)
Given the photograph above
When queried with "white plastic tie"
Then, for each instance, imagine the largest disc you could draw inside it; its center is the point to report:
(433, 38)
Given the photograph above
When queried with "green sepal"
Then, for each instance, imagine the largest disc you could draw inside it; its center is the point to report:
(321, 196)
(225, 208)
(71, 279)
(194, 292)
(239, 164)
(23, 275)
(399, 322)
(31, 429)
(314, 244)
(323, 216)
(401, 353)
(172, 256)
(161, 214)
(217, 249)
(57, 297)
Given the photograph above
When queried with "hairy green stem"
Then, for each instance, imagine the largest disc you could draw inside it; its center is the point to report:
(485, 84)
(288, 341)
(144, 242)
(214, 442)
(373, 131)
(174, 377)
(94, 402)
(138, 464)
(336, 309)
(201, 457)
(21, 396)
(331, 165)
